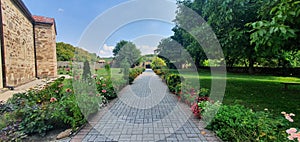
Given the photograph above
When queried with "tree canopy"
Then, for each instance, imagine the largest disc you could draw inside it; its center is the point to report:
(66, 52)
(250, 32)
(127, 51)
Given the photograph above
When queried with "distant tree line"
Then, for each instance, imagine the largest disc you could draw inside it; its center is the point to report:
(262, 33)
(67, 52)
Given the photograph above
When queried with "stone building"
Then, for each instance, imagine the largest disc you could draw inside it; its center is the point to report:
(28, 45)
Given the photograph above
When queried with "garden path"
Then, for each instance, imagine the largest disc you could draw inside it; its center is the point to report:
(144, 111)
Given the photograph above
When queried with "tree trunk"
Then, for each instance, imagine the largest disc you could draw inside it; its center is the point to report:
(197, 62)
(251, 66)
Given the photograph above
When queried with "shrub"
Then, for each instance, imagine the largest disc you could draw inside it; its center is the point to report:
(86, 70)
(157, 63)
(105, 88)
(173, 80)
(135, 72)
(54, 106)
(237, 123)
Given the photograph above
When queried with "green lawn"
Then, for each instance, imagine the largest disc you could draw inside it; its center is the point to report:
(256, 91)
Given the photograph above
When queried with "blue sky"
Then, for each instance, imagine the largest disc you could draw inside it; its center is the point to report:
(74, 18)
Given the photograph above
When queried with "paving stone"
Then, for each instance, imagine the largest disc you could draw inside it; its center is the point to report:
(133, 118)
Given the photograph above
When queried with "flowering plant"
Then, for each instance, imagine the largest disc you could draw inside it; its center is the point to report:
(293, 133)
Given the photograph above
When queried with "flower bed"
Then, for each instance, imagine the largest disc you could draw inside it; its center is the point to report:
(65, 103)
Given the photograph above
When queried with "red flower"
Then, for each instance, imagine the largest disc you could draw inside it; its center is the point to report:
(53, 100)
(195, 109)
(179, 98)
(68, 90)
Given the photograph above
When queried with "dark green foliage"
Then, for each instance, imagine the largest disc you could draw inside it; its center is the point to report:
(173, 80)
(259, 33)
(237, 123)
(118, 47)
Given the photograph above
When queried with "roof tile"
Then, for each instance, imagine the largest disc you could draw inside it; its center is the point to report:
(42, 19)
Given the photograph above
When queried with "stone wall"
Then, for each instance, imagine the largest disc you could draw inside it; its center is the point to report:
(45, 40)
(1, 76)
(18, 45)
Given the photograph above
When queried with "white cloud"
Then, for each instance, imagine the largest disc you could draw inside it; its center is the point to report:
(106, 51)
(146, 49)
(60, 10)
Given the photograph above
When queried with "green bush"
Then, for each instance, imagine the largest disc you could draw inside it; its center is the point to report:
(135, 72)
(105, 88)
(173, 80)
(157, 63)
(237, 123)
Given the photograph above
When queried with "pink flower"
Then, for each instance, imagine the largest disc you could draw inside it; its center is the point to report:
(68, 69)
(98, 82)
(103, 91)
(103, 85)
(294, 135)
(68, 90)
(290, 138)
(291, 131)
(53, 100)
(288, 116)
(94, 76)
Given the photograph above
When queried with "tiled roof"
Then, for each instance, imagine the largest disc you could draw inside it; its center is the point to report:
(42, 19)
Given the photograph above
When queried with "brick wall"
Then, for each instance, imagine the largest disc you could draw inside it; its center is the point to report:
(45, 40)
(18, 45)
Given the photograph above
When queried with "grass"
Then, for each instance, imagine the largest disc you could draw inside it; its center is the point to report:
(257, 92)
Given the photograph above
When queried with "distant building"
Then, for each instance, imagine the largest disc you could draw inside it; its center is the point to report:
(28, 45)
(101, 61)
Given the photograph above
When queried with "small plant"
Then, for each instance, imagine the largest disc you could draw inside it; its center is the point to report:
(293, 133)
(107, 69)
(105, 88)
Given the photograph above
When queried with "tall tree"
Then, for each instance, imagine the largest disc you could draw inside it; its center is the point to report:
(276, 34)
(118, 47)
(127, 52)
(227, 19)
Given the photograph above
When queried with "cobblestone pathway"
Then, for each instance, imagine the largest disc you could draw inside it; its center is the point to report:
(145, 111)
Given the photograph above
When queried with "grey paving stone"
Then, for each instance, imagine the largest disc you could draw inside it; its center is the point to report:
(133, 118)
